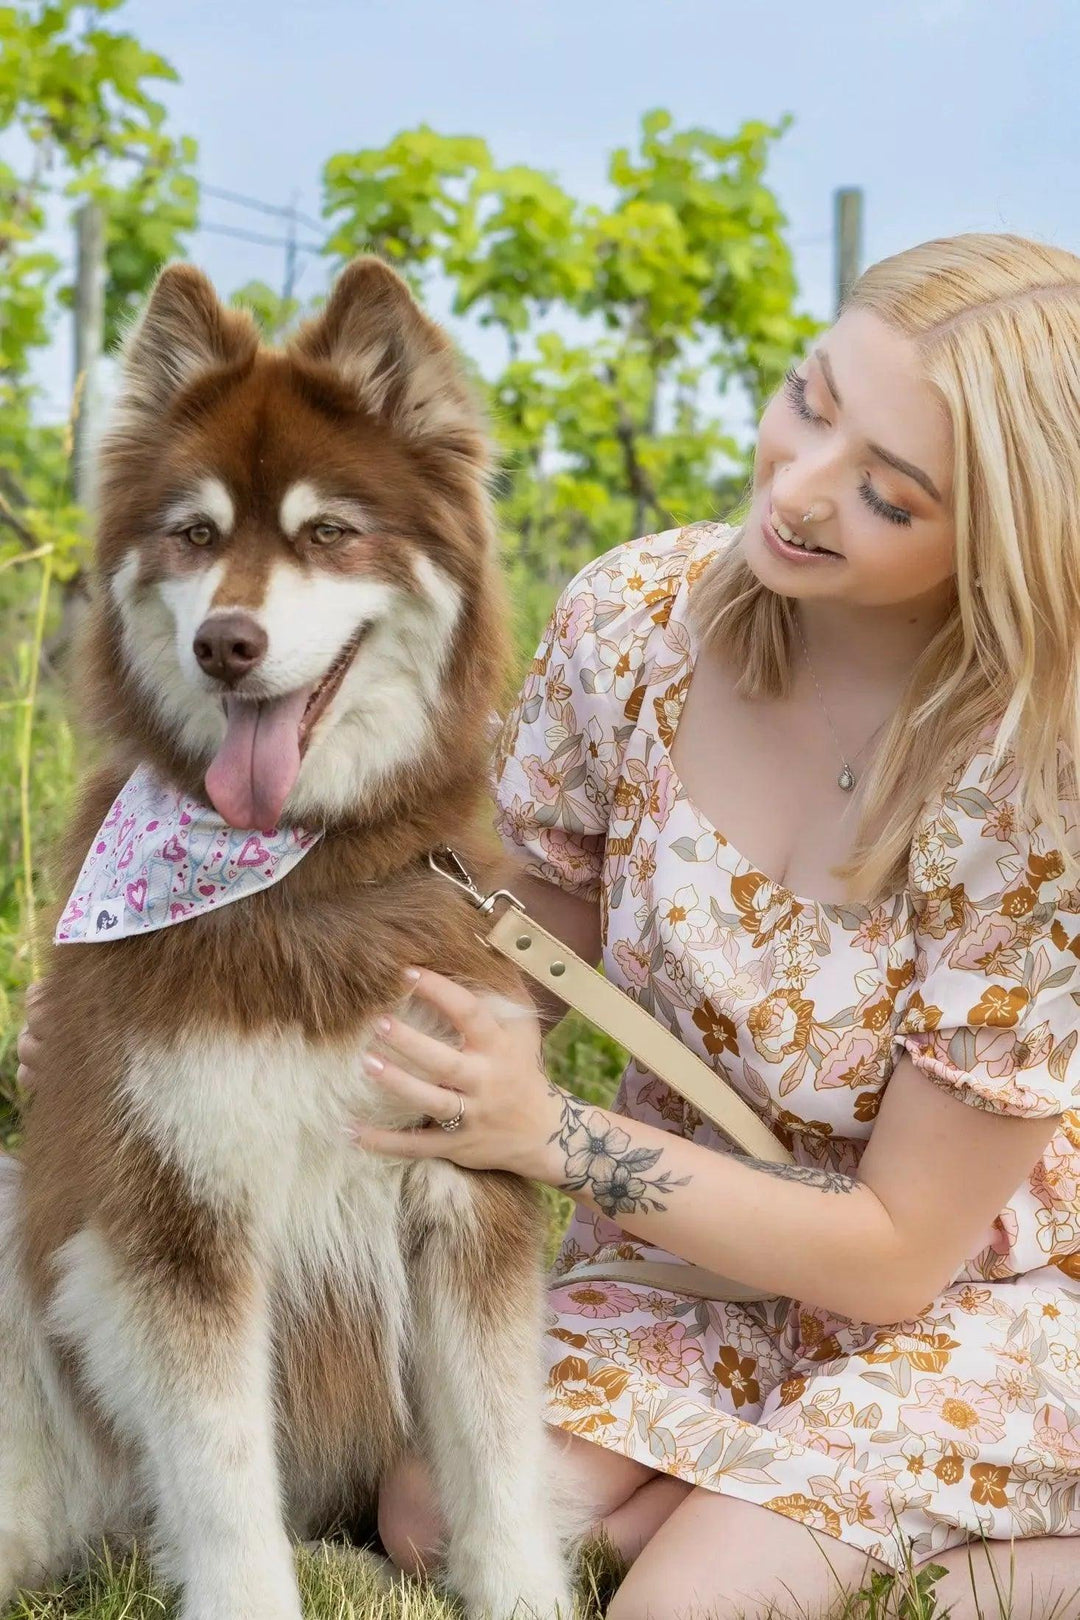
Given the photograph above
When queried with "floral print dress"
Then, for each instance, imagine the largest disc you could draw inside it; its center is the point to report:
(905, 1440)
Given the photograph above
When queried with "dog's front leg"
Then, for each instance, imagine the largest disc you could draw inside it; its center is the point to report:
(167, 1315)
(477, 1385)
(60, 1492)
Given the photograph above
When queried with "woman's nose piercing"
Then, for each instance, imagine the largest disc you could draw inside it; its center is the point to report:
(808, 517)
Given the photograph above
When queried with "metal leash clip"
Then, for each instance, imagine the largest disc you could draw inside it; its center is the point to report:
(442, 857)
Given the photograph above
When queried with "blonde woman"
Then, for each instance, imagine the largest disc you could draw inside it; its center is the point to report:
(807, 787)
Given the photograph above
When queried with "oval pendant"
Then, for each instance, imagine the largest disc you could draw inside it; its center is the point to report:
(846, 780)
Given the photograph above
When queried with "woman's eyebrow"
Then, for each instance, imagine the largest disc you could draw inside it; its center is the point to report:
(902, 466)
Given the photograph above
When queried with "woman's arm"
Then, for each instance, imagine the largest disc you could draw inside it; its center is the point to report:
(570, 918)
(28, 1046)
(877, 1247)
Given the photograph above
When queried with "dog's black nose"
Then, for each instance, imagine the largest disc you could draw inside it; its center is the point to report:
(229, 645)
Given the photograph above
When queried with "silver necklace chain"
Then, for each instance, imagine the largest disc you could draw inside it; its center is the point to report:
(847, 779)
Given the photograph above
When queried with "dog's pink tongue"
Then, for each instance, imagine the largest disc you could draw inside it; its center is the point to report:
(253, 772)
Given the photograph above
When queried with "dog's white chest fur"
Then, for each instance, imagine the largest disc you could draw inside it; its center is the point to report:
(263, 1124)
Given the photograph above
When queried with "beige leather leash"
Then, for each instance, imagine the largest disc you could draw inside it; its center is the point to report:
(520, 938)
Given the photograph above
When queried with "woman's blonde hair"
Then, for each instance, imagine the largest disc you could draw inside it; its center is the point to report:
(997, 323)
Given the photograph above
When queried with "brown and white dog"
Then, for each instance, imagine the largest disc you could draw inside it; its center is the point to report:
(219, 1319)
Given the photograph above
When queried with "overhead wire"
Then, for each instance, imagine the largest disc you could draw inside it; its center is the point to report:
(258, 237)
(261, 207)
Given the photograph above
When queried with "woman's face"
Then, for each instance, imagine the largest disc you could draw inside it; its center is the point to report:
(859, 440)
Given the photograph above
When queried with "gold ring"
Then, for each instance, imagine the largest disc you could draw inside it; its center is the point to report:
(452, 1124)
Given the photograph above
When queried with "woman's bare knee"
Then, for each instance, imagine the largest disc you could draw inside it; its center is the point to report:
(733, 1560)
(410, 1525)
(600, 1479)
(635, 1523)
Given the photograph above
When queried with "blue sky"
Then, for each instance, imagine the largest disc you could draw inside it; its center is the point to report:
(951, 114)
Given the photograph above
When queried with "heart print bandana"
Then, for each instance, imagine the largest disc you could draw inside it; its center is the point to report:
(160, 858)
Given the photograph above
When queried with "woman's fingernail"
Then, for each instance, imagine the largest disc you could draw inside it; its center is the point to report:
(375, 1064)
(383, 1025)
(411, 974)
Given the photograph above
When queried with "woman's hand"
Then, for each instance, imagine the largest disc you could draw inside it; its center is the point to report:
(496, 1082)
(28, 1046)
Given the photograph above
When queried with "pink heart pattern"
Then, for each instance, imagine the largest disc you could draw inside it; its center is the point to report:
(161, 857)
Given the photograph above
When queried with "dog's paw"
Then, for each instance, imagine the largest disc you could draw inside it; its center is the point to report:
(549, 1598)
(227, 1606)
(19, 1567)
(252, 1599)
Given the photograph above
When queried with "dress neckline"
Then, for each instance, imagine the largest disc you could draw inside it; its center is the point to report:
(678, 604)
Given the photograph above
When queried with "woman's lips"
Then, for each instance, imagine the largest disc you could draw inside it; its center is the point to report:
(794, 554)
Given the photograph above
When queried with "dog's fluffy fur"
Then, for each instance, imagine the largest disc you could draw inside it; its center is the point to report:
(219, 1319)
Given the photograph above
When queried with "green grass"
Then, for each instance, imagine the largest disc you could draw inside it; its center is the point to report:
(342, 1583)
(37, 773)
(336, 1583)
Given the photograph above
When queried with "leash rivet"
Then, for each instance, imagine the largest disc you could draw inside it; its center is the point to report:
(557, 968)
(523, 942)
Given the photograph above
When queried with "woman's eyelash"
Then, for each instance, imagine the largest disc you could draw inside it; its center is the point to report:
(795, 388)
(892, 514)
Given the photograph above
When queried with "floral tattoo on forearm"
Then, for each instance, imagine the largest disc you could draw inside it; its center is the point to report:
(599, 1159)
(824, 1180)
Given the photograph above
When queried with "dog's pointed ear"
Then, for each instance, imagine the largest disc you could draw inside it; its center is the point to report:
(400, 365)
(183, 332)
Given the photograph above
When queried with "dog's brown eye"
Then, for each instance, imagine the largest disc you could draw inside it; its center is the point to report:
(327, 533)
(200, 534)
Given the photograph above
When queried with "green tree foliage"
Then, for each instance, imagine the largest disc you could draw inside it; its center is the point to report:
(80, 122)
(621, 322)
(77, 120)
(273, 313)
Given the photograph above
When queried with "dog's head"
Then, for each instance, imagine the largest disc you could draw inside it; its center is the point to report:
(299, 601)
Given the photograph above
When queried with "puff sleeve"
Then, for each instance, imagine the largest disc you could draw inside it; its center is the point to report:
(557, 759)
(993, 1013)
